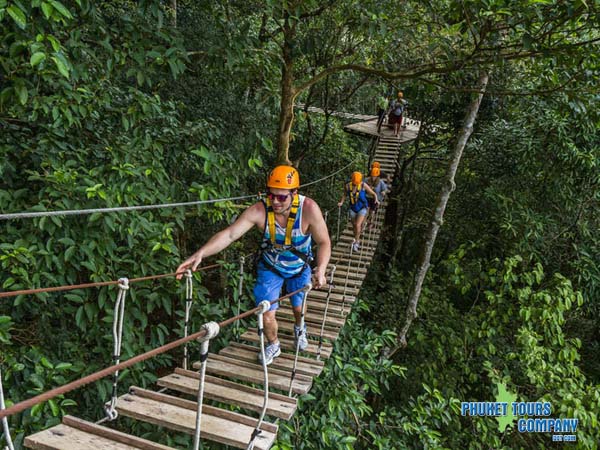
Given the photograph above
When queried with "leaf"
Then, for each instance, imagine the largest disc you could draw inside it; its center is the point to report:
(37, 58)
(47, 10)
(54, 407)
(61, 65)
(22, 93)
(61, 8)
(17, 15)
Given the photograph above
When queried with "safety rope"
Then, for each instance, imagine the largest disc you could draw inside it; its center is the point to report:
(239, 299)
(325, 313)
(302, 186)
(265, 305)
(111, 412)
(189, 292)
(337, 235)
(79, 212)
(72, 287)
(211, 331)
(348, 266)
(7, 438)
(61, 390)
(306, 289)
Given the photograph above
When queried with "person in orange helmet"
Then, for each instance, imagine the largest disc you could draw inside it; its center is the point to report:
(380, 187)
(357, 191)
(289, 223)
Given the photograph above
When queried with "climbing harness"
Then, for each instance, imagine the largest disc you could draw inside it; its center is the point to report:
(306, 289)
(189, 291)
(325, 313)
(111, 412)
(7, 437)
(265, 305)
(212, 330)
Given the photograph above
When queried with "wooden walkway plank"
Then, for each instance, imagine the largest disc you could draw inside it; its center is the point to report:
(229, 392)
(218, 425)
(285, 361)
(316, 318)
(77, 434)
(252, 372)
(287, 326)
(288, 344)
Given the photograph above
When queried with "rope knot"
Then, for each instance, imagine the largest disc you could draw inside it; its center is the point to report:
(212, 330)
(265, 305)
(123, 283)
(307, 287)
(188, 274)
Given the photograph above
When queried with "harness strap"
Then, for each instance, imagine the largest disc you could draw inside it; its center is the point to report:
(354, 192)
(290, 221)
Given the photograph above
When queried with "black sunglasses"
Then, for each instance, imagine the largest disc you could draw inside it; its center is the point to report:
(280, 198)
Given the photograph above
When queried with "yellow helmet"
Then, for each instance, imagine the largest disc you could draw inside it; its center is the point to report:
(284, 177)
(375, 172)
(376, 164)
(356, 178)
(400, 94)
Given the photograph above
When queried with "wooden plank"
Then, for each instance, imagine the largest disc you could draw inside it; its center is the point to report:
(77, 434)
(288, 344)
(333, 298)
(253, 373)
(287, 325)
(283, 362)
(228, 392)
(315, 318)
(221, 426)
(63, 437)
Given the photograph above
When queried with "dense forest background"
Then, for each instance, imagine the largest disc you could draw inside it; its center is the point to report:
(120, 103)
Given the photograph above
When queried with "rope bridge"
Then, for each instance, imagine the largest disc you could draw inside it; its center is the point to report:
(232, 377)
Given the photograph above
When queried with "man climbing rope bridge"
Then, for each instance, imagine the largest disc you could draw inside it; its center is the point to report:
(288, 221)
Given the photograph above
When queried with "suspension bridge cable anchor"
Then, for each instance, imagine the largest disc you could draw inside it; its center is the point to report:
(305, 290)
(325, 313)
(7, 438)
(264, 306)
(189, 291)
(119, 314)
(211, 330)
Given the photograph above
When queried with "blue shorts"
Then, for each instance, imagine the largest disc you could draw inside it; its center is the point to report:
(362, 212)
(268, 285)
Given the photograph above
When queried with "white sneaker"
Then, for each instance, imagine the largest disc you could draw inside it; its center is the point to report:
(355, 246)
(271, 351)
(300, 338)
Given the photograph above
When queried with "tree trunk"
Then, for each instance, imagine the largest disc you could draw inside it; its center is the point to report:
(174, 13)
(438, 215)
(288, 96)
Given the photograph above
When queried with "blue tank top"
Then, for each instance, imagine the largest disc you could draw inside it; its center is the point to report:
(285, 261)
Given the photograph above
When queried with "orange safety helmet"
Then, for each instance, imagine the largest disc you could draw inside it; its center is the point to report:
(284, 177)
(376, 164)
(400, 94)
(356, 178)
(375, 172)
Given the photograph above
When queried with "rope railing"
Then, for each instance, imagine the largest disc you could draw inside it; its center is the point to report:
(117, 209)
(61, 390)
(85, 211)
(72, 287)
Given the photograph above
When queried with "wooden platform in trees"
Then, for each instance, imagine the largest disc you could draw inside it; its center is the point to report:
(234, 377)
